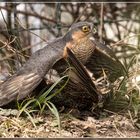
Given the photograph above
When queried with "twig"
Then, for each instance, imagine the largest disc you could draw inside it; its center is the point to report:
(101, 22)
(13, 54)
(28, 14)
(81, 14)
(30, 31)
(131, 118)
(8, 44)
(58, 18)
(108, 111)
(118, 131)
(127, 37)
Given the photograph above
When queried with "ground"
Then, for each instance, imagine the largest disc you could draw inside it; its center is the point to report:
(46, 126)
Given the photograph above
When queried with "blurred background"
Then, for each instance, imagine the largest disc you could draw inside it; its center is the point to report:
(27, 27)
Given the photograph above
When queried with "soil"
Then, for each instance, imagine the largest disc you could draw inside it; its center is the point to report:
(46, 126)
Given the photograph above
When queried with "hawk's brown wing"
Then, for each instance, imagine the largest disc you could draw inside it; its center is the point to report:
(84, 77)
(104, 59)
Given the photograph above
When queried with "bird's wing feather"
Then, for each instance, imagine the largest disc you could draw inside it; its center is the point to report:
(104, 58)
(18, 87)
(84, 76)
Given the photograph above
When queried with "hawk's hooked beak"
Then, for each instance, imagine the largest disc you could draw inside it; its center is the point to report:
(94, 31)
(92, 38)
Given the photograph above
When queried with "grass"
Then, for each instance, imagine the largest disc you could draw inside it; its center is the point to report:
(30, 105)
(125, 96)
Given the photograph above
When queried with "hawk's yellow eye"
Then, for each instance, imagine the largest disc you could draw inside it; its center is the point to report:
(85, 28)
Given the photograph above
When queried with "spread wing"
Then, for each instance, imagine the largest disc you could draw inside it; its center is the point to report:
(104, 59)
(84, 76)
